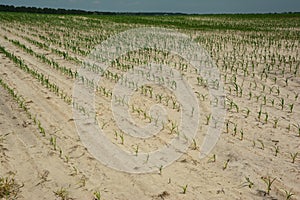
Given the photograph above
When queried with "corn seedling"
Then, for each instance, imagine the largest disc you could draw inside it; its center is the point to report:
(282, 103)
(266, 117)
(247, 112)
(160, 170)
(289, 127)
(192, 114)
(74, 171)
(291, 106)
(103, 125)
(226, 164)
(227, 126)
(53, 142)
(212, 159)
(42, 130)
(136, 150)
(122, 138)
(268, 182)
(234, 129)
(275, 122)
(184, 188)
(272, 102)
(147, 158)
(62, 193)
(194, 145)
(242, 134)
(276, 150)
(60, 152)
(249, 182)
(82, 181)
(67, 158)
(294, 156)
(174, 128)
(208, 119)
(259, 114)
(288, 194)
(44, 177)
(296, 96)
(97, 195)
(262, 144)
(116, 135)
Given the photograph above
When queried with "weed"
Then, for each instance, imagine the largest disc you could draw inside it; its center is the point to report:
(9, 189)
(62, 193)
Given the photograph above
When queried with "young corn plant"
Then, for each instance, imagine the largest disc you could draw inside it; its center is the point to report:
(294, 156)
(173, 128)
(208, 117)
(262, 144)
(53, 142)
(136, 150)
(212, 159)
(247, 111)
(226, 164)
(276, 150)
(259, 113)
(234, 129)
(60, 152)
(298, 128)
(242, 134)
(248, 182)
(227, 127)
(282, 103)
(291, 106)
(288, 194)
(266, 117)
(122, 138)
(194, 145)
(275, 122)
(62, 193)
(268, 181)
(97, 195)
(184, 188)
(160, 170)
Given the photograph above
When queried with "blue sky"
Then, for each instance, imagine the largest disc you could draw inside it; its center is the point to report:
(185, 6)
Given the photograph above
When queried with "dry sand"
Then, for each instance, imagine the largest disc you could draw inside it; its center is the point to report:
(30, 158)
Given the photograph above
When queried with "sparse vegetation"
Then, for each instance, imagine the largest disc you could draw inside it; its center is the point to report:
(257, 57)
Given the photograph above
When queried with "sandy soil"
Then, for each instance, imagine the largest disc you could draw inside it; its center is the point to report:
(43, 170)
